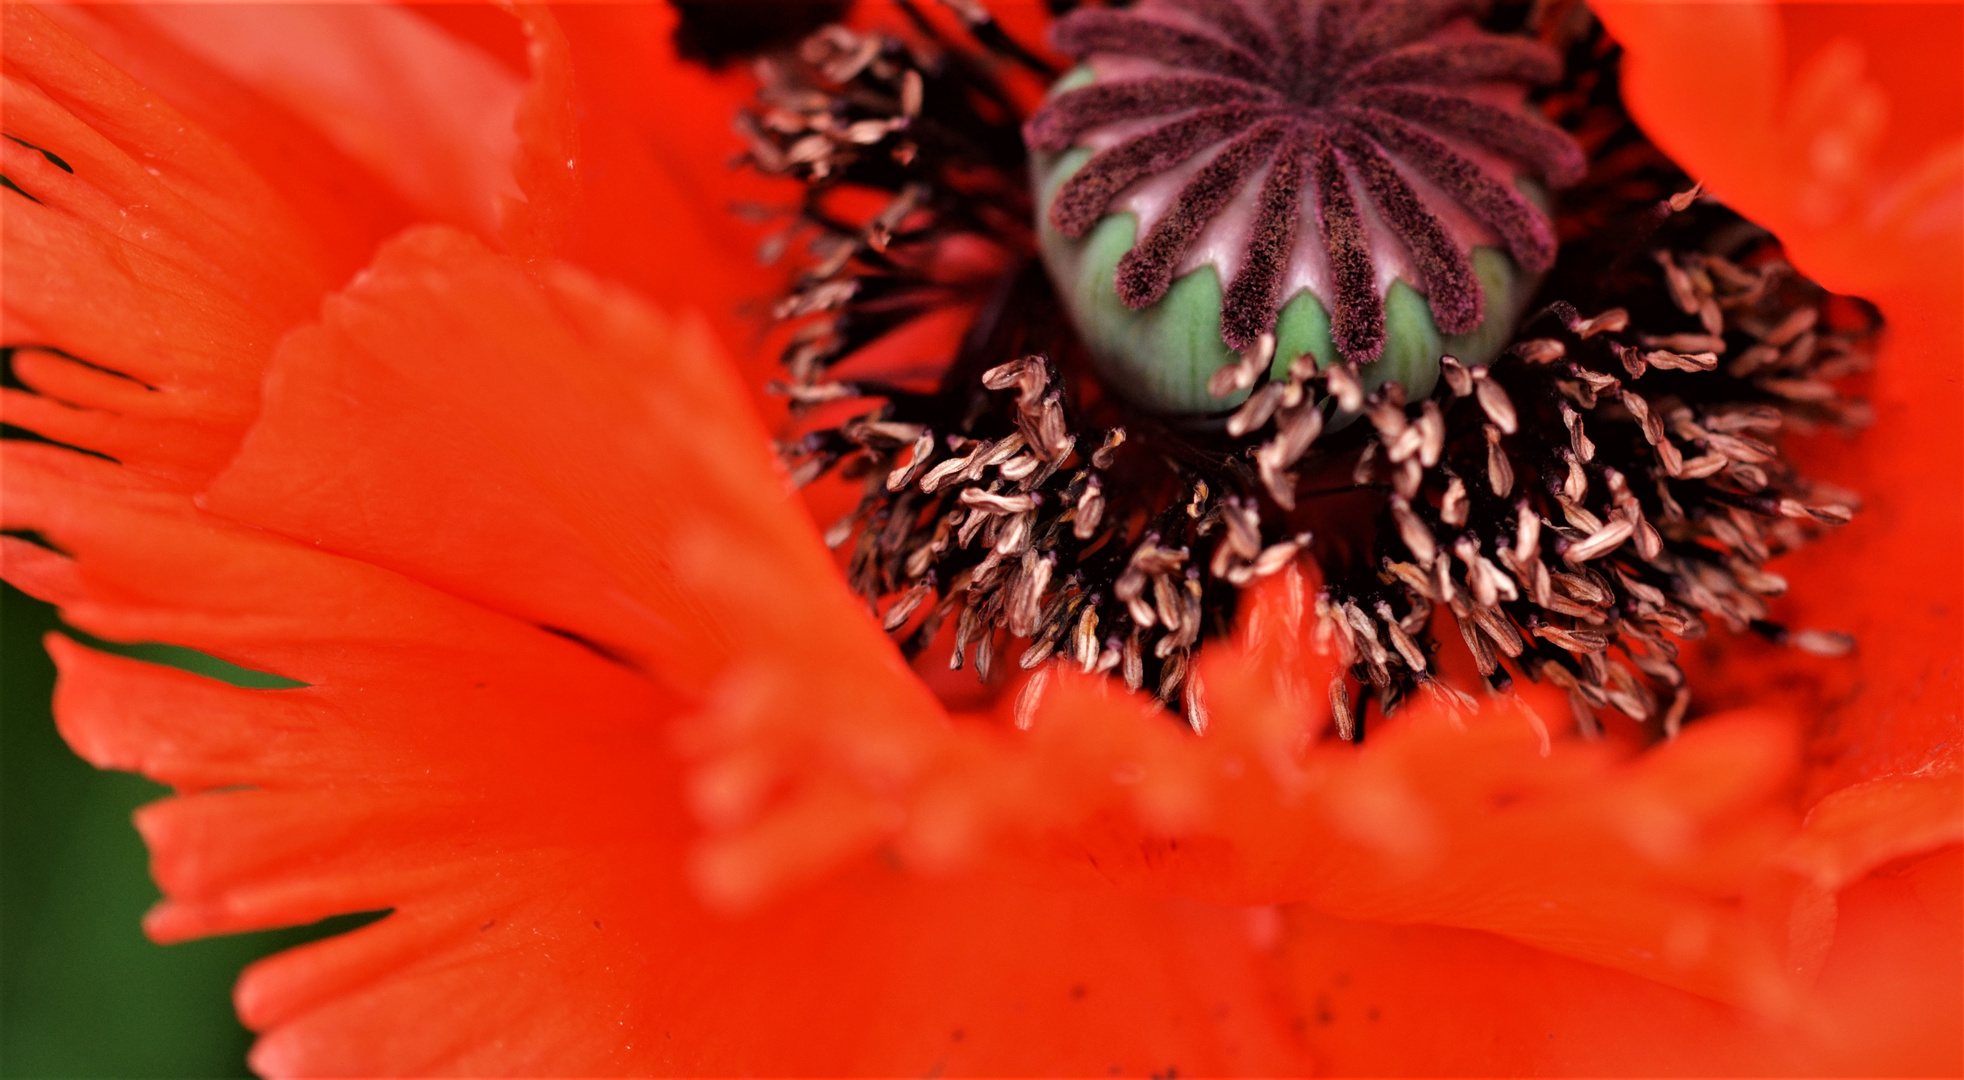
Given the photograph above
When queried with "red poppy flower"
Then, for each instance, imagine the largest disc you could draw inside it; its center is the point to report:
(402, 364)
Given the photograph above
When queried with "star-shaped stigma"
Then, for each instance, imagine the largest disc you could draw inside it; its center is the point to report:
(1405, 104)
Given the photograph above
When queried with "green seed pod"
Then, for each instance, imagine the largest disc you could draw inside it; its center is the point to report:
(1362, 191)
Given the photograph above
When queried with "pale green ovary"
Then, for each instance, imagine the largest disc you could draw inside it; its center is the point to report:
(1161, 357)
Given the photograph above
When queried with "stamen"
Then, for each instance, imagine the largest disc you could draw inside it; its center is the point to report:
(1611, 484)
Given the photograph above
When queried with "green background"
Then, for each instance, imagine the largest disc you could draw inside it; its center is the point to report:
(82, 991)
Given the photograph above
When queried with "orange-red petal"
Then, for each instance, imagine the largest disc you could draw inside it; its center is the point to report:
(510, 794)
(564, 455)
(174, 227)
(1840, 127)
(1374, 999)
(506, 522)
(150, 249)
(660, 189)
(1837, 126)
(431, 116)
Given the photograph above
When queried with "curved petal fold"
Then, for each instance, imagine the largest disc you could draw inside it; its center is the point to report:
(169, 231)
(433, 116)
(564, 454)
(143, 246)
(1836, 126)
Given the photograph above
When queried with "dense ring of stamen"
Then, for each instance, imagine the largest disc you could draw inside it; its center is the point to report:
(1605, 488)
(1342, 78)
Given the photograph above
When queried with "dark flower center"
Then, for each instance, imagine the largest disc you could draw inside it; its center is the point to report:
(1610, 485)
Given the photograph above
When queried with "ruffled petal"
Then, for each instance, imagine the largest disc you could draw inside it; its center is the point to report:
(1848, 835)
(658, 187)
(1837, 127)
(369, 117)
(875, 973)
(389, 115)
(152, 265)
(432, 116)
(561, 454)
(508, 794)
(347, 208)
(144, 246)
(1641, 863)
(637, 508)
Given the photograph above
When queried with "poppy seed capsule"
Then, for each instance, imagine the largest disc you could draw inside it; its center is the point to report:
(1361, 179)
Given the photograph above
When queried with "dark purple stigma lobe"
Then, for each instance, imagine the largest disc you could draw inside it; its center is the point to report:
(1146, 272)
(1348, 98)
